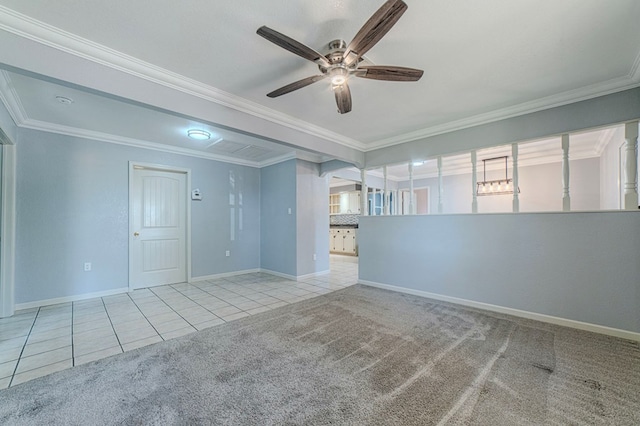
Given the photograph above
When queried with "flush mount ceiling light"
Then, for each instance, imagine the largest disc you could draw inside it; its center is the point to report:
(200, 135)
(64, 100)
(498, 186)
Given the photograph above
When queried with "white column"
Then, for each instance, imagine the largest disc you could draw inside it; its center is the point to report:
(566, 198)
(411, 198)
(474, 183)
(440, 186)
(631, 169)
(7, 230)
(363, 193)
(396, 202)
(385, 196)
(516, 200)
(374, 202)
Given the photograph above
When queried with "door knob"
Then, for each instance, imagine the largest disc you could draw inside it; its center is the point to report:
(136, 234)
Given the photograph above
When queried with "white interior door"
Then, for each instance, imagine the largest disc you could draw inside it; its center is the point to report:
(158, 205)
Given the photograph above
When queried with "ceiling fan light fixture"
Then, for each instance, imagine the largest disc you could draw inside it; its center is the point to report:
(338, 76)
(338, 80)
(200, 135)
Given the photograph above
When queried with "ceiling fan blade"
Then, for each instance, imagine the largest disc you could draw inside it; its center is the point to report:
(343, 98)
(381, 72)
(295, 86)
(292, 46)
(374, 29)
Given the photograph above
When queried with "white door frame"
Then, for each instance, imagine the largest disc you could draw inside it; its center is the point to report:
(8, 232)
(149, 166)
(403, 191)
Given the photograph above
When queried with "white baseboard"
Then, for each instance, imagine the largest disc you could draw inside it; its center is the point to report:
(601, 329)
(279, 274)
(294, 277)
(313, 274)
(224, 275)
(74, 298)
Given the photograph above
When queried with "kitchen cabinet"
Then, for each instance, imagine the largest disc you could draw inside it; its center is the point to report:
(343, 241)
(344, 203)
(335, 243)
(349, 243)
(334, 203)
(354, 203)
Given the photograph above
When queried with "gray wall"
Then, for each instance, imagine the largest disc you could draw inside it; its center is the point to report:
(540, 186)
(278, 227)
(72, 207)
(578, 266)
(601, 111)
(312, 219)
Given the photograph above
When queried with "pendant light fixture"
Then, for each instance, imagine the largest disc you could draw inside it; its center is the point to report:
(498, 186)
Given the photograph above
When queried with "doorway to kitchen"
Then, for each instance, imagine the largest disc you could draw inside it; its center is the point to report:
(344, 211)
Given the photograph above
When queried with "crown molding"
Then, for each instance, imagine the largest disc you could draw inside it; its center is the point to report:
(4, 139)
(276, 160)
(48, 35)
(634, 74)
(603, 141)
(11, 100)
(560, 99)
(120, 140)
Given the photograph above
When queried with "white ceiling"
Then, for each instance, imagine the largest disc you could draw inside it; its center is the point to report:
(483, 60)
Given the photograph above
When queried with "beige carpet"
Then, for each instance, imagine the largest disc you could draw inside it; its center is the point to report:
(358, 356)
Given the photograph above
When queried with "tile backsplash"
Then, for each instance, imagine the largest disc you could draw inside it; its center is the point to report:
(343, 219)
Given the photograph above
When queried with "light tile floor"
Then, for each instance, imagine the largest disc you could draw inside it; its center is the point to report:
(39, 341)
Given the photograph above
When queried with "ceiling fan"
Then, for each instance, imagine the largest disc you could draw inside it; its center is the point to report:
(341, 61)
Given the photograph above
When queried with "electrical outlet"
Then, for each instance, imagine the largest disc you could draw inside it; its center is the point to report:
(289, 210)
(314, 256)
(227, 253)
(87, 266)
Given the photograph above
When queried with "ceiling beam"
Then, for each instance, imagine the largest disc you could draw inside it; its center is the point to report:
(160, 90)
